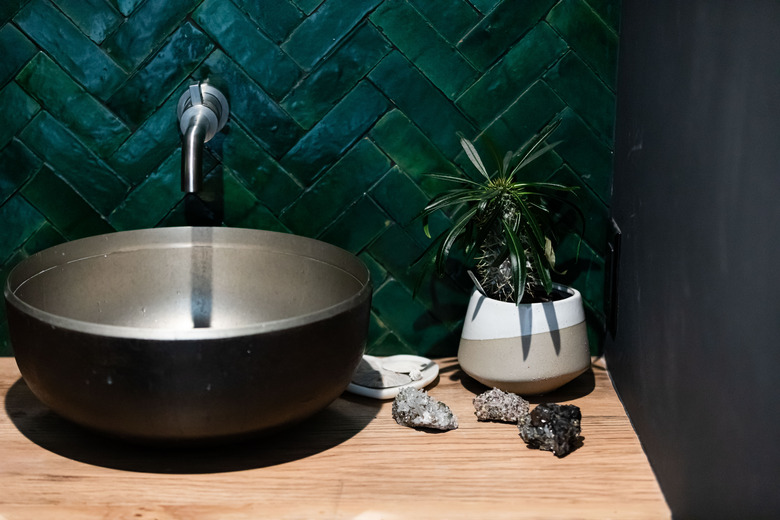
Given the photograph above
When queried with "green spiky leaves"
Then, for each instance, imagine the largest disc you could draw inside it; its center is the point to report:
(501, 222)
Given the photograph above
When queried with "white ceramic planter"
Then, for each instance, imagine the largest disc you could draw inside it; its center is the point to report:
(526, 349)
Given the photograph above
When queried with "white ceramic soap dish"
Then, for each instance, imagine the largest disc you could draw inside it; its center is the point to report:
(384, 377)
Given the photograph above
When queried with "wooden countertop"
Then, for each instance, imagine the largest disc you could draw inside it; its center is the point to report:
(350, 461)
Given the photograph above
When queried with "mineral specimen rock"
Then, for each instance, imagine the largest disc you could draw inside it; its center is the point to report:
(497, 405)
(552, 427)
(416, 409)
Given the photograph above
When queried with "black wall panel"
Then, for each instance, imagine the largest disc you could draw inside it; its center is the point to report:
(696, 357)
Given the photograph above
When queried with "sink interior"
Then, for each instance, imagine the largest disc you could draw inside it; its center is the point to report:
(188, 287)
(196, 280)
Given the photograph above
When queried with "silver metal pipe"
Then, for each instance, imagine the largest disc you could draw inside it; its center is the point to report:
(192, 154)
(203, 111)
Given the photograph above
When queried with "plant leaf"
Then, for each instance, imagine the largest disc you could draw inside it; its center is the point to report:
(505, 164)
(477, 284)
(446, 245)
(527, 151)
(530, 221)
(541, 271)
(473, 156)
(454, 178)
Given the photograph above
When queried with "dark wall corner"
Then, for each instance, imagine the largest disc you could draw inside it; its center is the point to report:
(696, 355)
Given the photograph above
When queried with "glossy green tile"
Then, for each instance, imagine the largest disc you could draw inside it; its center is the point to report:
(346, 234)
(413, 94)
(84, 171)
(500, 29)
(585, 153)
(148, 203)
(447, 299)
(524, 63)
(324, 28)
(276, 18)
(397, 252)
(126, 7)
(8, 8)
(338, 187)
(335, 133)
(13, 100)
(586, 274)
(594, 209)
(412, 151)
(17, 50)
(529, 113)
(66, 100)
(96, 18)
(149, 145)
(399, 196)
(244, 209)
(44, 237)
(20, 220)
(145, 30)
(485, 6)
(581, 89)
(68, 212)
(587, 35)
(239, 38)
(377, 273)
(161, 75)
(258, 170)
(608, 10)
(73, 51)
(376, 329)
(394, 305)
(427, 49)
(311, 99)
(308, 6)
(365, 113)
(259, 114)
(451, 18)
(17, 164)
(389, 344)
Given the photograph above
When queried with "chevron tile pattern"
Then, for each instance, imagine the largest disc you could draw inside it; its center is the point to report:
(338, 110)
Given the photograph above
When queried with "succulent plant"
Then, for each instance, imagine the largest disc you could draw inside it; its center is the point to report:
(503, 223)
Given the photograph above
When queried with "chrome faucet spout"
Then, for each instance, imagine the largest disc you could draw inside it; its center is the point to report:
(203, 111)
(192, 155)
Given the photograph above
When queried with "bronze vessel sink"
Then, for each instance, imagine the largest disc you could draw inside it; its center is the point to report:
(188, 335)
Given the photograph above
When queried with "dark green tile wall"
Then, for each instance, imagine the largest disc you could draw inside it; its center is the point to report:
(339, 108)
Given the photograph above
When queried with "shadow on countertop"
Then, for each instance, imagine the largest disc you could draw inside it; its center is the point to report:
(581, 386)
(342, 420)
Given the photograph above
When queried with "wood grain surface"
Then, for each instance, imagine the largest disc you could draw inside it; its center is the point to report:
(349, 461)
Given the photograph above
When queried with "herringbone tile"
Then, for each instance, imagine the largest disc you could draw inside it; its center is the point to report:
(339, 108)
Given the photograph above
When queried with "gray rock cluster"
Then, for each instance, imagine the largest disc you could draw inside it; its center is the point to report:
(497, 405)
(549, 426)
(416, 409)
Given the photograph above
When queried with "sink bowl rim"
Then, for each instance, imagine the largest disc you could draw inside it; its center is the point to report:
(341, 260)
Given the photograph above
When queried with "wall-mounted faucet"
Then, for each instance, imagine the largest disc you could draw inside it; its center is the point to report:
(203, 111)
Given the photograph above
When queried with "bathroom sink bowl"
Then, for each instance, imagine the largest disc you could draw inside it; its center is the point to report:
(188, 334)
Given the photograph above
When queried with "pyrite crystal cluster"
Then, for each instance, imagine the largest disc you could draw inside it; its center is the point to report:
(497, 405)
(552, 427)
(416, 409)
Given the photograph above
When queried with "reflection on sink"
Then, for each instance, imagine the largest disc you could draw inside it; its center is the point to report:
(188, 334)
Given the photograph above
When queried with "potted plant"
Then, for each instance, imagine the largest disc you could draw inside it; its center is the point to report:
(522, 333)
